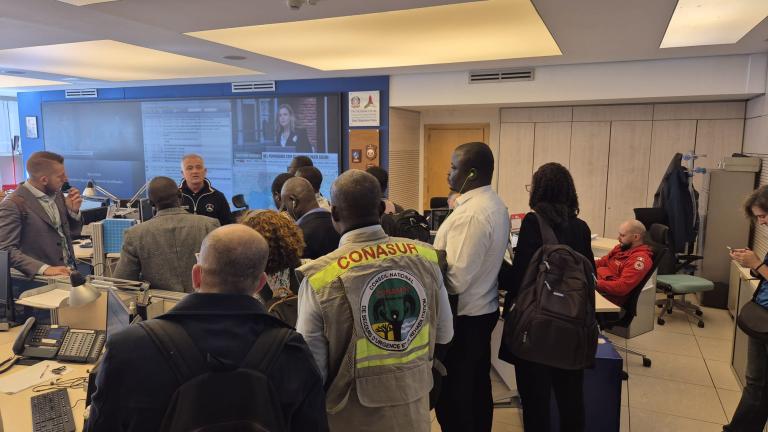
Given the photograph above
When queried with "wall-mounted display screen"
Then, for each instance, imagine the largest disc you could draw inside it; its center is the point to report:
(245, 142)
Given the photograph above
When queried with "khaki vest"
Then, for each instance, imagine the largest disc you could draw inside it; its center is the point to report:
(378, 298)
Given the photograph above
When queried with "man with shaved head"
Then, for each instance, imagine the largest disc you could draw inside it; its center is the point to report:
(299, 200)
(315, 178)
(626, 265)
(38, 220)
(162, 250)
(374, 313)
(223, 325)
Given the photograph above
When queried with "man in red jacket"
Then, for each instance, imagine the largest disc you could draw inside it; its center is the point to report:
(625, 266)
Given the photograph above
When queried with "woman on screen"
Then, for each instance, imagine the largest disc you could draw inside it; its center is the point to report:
(288, 136)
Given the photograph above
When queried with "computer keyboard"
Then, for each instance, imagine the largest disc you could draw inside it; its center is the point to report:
(52, 412)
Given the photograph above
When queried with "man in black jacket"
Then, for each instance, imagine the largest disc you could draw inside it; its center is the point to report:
(135, 383)
(197, 195)
(298, 198)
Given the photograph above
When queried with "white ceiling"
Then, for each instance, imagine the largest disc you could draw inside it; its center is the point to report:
(586, 31)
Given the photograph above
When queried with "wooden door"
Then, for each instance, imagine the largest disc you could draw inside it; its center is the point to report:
(440, 142)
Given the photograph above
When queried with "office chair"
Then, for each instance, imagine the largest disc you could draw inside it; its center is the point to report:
(674, 284)
(438, 202)
(629, 309)
(239, 202)
(651, 215)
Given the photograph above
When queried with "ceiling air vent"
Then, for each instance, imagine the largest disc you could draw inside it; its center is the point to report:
(500, 75)
(253, 86)
(80, 93)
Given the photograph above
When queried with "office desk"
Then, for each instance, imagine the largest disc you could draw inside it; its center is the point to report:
(16, 409)
(601, 246)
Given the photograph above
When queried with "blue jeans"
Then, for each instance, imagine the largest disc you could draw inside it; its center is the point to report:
(752, 412)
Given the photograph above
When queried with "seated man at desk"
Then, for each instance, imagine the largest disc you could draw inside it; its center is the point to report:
(626, 265)
(162, 250)
(224, 321)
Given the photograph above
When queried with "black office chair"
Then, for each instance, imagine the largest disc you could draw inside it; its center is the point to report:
(239, 202)
(651, 215)
(673, 284)
(438, 202)
(629, 309)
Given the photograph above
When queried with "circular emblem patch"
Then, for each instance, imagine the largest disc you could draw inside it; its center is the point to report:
(209, 208)
(639, 264)
(393, 309)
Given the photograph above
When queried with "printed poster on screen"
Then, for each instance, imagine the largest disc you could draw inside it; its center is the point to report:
(364, 108)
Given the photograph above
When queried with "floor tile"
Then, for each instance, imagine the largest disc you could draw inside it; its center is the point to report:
(722, 375)
(624, 419)
(677, 322)
(648, 421)
(504, 427)
(675, 398)
(615, 340)
(717, 324)
(671, 367)
(715, 349)
(511, 416)
(667, 342)
(730, 400)
(624, 393)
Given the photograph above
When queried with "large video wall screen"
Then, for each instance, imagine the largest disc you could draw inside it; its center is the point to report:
(245, 142)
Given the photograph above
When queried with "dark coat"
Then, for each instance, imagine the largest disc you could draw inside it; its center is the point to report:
(134, 384)
(206, 202)
(319, 235)
(674, 196)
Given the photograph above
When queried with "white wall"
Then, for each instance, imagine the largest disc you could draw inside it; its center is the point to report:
(702, 78)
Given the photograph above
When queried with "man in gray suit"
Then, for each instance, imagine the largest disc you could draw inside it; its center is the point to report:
(162, 250)
(37, 221)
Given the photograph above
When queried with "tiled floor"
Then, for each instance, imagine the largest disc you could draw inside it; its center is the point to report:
(689, 387)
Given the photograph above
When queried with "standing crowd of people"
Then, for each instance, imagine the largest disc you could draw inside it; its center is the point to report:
(379, 320)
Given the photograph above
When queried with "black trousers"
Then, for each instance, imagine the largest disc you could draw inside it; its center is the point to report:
(536, 382)
(752, 413)
(465, 403)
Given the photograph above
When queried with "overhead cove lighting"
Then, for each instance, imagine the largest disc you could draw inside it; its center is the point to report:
(14, 81)
(465, 32)
(712, 22)
(110, 60)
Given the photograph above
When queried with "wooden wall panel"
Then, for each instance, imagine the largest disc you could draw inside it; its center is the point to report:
(589, 168)
(404, 135)
(699, 111)
(552, 143)
(536, 114)
(612, 112)
(627, 187)
(716, 139)
(515, 164)
(669, 137)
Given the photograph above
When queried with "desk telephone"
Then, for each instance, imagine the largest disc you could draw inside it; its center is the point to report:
(59, 342)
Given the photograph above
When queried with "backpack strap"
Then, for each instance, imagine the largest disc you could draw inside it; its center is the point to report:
(267, 348)
(547, 234)
(183, 357)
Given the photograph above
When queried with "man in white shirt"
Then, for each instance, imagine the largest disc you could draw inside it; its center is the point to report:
(475, 238)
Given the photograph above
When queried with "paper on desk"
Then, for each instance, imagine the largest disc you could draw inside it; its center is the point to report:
(47, 300)
(24, 378)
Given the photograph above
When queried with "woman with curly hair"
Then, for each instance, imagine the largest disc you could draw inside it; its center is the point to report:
(286, 244)
(553, 198)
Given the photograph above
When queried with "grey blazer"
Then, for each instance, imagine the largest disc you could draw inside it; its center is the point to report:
(162, 250)
(29, 234)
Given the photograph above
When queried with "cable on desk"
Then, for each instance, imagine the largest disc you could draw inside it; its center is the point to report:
(77, 402)
(58, 383)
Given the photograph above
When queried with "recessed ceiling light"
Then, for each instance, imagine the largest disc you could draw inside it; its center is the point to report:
(85, 2)
(234, 57)
(109, 60)
(17, 81)
(432, 35)
(712, 22)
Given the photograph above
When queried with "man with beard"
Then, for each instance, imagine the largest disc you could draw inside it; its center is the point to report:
(626, 265)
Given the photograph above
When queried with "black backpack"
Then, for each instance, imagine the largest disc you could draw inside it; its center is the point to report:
(408, 223)
(552, 320)
(217, 398)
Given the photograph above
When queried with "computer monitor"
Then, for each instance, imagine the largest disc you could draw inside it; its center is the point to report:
(94, 215)
(146, 210)
(280, 149)
(90, 204)
(438, 216)
(6, 289)
(118, 313)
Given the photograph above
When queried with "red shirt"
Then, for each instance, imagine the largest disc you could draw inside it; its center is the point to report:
(620, 271)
